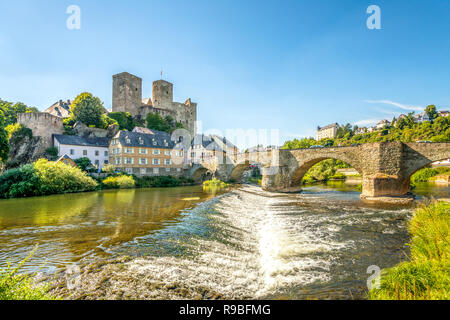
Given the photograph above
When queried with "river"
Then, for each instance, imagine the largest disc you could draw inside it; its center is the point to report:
(243, 243)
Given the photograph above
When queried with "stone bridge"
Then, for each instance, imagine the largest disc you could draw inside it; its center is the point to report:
(385, 167)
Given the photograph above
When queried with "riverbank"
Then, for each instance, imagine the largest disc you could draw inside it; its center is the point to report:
(426, 276)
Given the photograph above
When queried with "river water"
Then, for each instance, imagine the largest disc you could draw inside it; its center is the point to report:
(243, 243)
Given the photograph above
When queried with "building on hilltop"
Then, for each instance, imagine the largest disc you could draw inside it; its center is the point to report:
(145, 154)
(327, 132)
(60, 109)
(383, 123)
(127, 97)
(95, 149)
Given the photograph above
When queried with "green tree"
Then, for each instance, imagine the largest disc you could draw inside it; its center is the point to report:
(4, 141)
(431, 112)
(83, 163)
(88, 109)
(11, 110)
(124, 119)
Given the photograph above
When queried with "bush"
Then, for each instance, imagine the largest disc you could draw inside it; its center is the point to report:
(427, 174)
(426, 275)
(109, 169)
(160, 182)
(14, 286)
(52, 152)
(119, 182)
(214, 183)
(44, 178)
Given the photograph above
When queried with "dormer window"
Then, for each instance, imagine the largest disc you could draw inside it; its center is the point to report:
(141, 141)
(127, 139)
(154, 142)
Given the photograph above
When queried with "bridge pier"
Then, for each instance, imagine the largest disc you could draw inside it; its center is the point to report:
(386, 188)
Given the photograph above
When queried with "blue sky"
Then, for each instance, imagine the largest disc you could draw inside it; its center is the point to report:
(287, 65)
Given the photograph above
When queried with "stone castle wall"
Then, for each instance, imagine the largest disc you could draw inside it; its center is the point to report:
(42, 125)
(127, 97)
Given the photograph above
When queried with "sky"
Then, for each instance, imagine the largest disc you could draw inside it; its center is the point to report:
(275, 65)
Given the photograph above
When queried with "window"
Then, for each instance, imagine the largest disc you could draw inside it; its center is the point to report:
(167, 169)
(97, 153)
(143, 151)
(143, 161)
(141, 141)
(84, 152)
(118, 151)
(178, 169)
(72, 152)
(193, 154)
(143, 170)
(156, 152)
(180, 153)
(97, 163)
(167, 152)
(106, 162)
(129, 150)
(127, 139)
(118, 160)
(128, 160)
(156, 161)
(106, 153)
(155, 170)
(129, 170)
(168, 161)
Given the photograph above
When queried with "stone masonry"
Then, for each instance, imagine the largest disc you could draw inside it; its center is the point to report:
(127, 97)
(385, 167)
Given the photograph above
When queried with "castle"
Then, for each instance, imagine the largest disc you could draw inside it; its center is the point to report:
(127, 97)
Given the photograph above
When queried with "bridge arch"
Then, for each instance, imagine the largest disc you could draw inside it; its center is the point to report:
(201, 174)
(239, 169)
(304, 166)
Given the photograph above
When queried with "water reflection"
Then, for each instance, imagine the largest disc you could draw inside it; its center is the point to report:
(75, 226)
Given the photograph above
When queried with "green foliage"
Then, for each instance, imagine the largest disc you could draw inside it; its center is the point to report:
(83, 163)
(426, 275)
(161, 182)
(44, 178)
(4, 140)
(214, 183)
(324, 171)
(109, 169)
(427, 174)
(431, 112)
(124, 119)
(167, 124)
(15, 286)
(304, 143)
(405, 130)
(10, 111)
(52, 152)
(89, 110)
(17, 133)
(119, 182)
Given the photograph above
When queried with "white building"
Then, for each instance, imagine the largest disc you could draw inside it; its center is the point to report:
(96, 149)
(327, 132)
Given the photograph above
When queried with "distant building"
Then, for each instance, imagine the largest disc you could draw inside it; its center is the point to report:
(382, 124)
(327, 132)
(95, 149)
(443, 113)
(421, 117)
(60, 109)
(207, 147)
(361, 130)
(144, 154)
(142, 130)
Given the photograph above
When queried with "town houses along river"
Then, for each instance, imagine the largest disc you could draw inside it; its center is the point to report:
(183, 242)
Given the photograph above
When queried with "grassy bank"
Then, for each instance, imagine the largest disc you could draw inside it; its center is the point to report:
(427, 275)
(429, 174)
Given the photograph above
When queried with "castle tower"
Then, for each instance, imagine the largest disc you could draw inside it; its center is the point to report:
(127, 93)
(162, 94)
